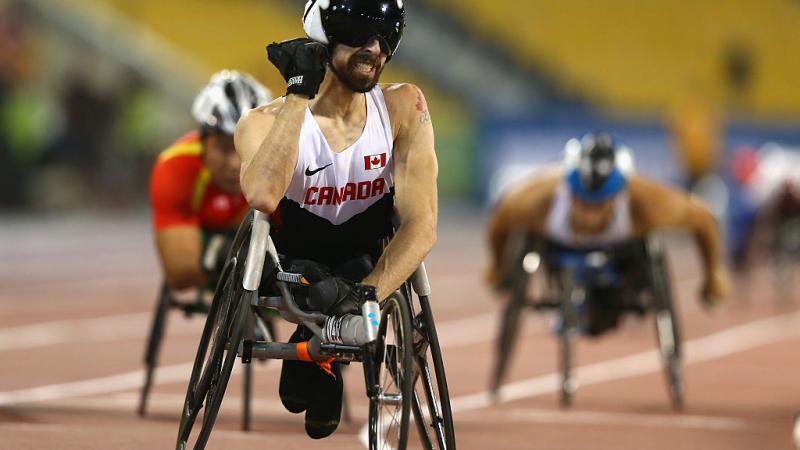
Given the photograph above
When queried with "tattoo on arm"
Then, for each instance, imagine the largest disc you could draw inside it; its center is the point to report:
(422, 107)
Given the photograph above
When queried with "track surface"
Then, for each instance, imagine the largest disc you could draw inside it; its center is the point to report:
(76, 297)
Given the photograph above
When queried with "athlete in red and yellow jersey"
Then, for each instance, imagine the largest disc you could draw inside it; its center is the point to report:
(184, 192)
(194, 187)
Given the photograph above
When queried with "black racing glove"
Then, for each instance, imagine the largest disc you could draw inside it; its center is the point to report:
(337, 296)
(302, 63)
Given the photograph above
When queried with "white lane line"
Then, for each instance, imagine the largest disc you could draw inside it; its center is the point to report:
(708, 348)
(108, 328)
(163, 403)
(715, 346)
(105, 385)
(178, 373)
(28, 286)
(121, 326)
(616, 419)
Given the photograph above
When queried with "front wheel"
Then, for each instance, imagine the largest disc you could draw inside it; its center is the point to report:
(667, 329)
(431, 398)
(509, 328)
(571, 297)
(215, 357)
(154, 345)
(392, 372)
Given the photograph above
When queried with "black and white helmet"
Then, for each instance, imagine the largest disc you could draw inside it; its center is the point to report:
(354, 22)
(229, 94)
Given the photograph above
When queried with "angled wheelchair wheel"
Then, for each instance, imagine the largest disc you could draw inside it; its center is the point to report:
(215, 357)
(572, 295)
(390, 404)
(431, 398)
(509, 328)
(667, 329)
(154, 345)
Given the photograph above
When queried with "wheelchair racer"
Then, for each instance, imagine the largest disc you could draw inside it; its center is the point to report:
(768, 186)
(332, 161)
(595, 204)
(194, 185)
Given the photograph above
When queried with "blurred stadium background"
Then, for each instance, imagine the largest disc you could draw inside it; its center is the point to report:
(91, 90)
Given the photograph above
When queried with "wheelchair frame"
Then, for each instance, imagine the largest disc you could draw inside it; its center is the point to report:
(572, 292)
(166, 302)
(405, 364)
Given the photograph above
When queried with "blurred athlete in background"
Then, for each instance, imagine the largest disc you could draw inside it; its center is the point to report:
(194, 186)
(768, 200)
(597, 202)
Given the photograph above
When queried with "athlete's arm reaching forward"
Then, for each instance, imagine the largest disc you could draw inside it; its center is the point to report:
(655, 207)
(415, 173)
(522, 211)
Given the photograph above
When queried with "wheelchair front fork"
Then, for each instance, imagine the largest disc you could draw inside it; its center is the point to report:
(369, 363)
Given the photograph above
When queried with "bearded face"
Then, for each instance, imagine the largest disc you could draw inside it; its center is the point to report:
(358, 68)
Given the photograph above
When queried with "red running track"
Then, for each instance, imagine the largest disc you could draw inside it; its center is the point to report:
(75, 305)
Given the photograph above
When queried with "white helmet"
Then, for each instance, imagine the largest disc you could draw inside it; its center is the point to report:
(229, 94)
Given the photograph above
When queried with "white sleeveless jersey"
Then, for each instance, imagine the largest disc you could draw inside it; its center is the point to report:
(619, 229)
(340, 205)
(337, 186)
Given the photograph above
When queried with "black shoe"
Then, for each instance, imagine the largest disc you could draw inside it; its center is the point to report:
(325, 408)
(297, 378)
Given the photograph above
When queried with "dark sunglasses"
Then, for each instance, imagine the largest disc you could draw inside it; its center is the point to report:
(357, 31)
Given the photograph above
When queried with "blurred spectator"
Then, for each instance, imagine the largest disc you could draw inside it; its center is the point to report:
(16, 58)
(696, 127)
(738, 69)
(71, 161)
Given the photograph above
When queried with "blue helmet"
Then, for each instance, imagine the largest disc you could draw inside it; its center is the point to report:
(597, 175)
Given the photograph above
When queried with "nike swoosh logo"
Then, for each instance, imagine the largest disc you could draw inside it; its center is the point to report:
(310, 172)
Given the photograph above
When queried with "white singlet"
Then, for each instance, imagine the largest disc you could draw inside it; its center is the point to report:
(619, 229)
(338, 185)
(340, 204)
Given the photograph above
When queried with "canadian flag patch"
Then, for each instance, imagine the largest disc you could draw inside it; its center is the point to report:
(375, 161)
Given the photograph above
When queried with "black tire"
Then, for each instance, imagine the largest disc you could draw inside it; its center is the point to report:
(570, 298)
(393, 373)
(247, 388)
(787, 255)
(215, 357)
(666, 321)
(154, 345)
(509, 328)
(431, 398)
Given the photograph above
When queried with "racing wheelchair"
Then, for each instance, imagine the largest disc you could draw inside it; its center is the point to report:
(199, 305)
(589, 289)
(395, 342)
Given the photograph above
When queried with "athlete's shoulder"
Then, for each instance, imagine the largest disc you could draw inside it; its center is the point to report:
(258, 121)
(188, 145)
(656, 205)
(650, 191)
(270, 110)
(534, 192)
(406, 105)
(544, 181)
(401, 94)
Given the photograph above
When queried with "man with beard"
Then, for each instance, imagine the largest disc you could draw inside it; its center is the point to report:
(333, 160)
